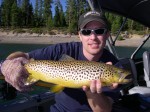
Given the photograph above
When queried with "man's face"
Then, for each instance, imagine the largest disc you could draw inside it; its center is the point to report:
(94, 43)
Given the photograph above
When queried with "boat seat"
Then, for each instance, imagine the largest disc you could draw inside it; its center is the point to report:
(146, 63)
(139, 95)
(144, 90)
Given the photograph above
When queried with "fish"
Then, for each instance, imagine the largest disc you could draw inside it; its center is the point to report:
(72, 73)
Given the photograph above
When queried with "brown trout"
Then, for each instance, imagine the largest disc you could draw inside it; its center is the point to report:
(74, 73)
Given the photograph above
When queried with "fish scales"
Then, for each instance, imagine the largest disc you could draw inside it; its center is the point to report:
(73, 74)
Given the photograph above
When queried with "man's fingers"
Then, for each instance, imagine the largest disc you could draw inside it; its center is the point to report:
(109, 63)
(22, 60)
(114, 86)
(93, 86)
(85, 88)
(16, 55)
(98, 86)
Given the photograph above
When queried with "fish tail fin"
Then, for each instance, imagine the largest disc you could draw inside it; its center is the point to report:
(30, 80)
(56, 88)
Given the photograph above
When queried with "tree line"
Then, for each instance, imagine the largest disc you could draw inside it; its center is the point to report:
(22, 14)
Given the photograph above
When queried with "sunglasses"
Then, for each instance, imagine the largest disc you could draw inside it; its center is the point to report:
(99, 31)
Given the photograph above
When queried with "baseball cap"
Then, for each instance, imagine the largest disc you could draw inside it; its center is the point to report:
(91, 16)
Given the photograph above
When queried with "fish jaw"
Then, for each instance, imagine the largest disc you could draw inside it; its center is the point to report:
(125, 77)
(125, 81)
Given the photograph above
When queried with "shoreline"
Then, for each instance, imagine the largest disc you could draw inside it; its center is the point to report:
(26, 38)
(37, 39)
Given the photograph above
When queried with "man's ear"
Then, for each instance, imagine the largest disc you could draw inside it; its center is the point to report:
(108, 34)
(80, 36)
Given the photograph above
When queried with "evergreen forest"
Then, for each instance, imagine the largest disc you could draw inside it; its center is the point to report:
(22, 14)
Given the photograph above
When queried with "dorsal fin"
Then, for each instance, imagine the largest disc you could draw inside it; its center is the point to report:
(66, 58)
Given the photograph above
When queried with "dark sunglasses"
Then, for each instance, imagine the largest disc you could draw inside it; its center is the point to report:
(99, 31)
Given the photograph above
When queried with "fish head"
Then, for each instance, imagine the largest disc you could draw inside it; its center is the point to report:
(121, 76)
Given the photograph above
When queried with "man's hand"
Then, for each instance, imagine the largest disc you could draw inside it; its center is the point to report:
(14, 73)
(17, 55)
(96, 99)
(96, 85)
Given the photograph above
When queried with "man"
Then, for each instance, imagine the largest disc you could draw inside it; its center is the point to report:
(93, 33)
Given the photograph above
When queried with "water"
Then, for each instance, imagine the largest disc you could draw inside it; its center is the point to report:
(126, 52)
(6, 49)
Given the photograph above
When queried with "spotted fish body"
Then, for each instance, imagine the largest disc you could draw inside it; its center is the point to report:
(74, 74)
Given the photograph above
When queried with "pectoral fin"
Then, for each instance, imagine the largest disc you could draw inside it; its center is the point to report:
(56, 88)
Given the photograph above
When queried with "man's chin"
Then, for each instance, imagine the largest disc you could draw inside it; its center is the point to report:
(95, 52)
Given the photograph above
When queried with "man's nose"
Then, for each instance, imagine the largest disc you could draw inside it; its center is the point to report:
(93, 36)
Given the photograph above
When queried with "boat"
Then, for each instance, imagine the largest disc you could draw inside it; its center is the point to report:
(137, 92)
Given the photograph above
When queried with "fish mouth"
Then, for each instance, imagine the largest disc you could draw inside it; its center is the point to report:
(124, 79)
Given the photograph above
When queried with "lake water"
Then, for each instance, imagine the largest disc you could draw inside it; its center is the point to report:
(6, 49)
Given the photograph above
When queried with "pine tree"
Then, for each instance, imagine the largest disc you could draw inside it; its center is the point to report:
(41, 12)
(14, 15)
(36, 13)
(62, 16)
(82, 6)
(30, 16)
(0, 17)
(6, 12)
(116, 24)
(130, 24)
(25, 12)
(47, 14)
(71, 14)
(57, 17)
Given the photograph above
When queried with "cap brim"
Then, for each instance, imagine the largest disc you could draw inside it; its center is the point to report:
(89, 20)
